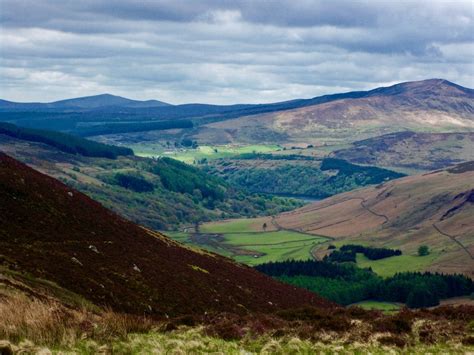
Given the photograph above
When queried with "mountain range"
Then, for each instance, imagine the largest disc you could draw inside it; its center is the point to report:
(84, 103)
(433, 105)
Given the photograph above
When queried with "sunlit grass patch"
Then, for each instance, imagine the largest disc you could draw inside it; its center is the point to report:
(394, 264)
(388, 307)
(193, 155)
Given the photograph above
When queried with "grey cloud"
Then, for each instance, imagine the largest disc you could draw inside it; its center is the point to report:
(228, 51)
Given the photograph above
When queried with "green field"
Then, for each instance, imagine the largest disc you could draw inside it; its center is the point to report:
(386, 307)
(275, 246)
(234, 226)
(390, 266)
(249, 247)
(191, 156)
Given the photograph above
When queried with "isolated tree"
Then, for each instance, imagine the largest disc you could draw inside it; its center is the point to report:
(423, 250)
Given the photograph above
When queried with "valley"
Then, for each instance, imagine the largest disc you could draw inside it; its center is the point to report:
(236, 177)
(357, 200)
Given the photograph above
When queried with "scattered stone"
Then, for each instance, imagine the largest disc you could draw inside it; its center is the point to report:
(70, 193)
(104, 349)
(136, 268)
(94, 249)
(75, 260)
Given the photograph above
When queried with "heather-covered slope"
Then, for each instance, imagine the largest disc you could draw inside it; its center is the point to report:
(411, 150)
(54, 232)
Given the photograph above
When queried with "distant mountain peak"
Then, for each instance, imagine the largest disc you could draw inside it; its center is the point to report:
(435, 85)
(106, 100)
(87, 103)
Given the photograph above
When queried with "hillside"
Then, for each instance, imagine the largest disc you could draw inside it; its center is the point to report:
(434, 105)
(433, 209)
(420, 151)
(160, 194)
(297, 175)
(56, 233)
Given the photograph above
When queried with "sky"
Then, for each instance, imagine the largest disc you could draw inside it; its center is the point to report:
(225, 52)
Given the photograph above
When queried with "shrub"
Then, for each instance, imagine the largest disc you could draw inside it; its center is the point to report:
(423, 250)
(392, 340)
(135, 183)
(398, 324)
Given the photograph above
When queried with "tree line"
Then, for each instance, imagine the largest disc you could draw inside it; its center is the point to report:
(299, 179)
(348, 252)
(114, 128)
(64, 142)
(346, 283)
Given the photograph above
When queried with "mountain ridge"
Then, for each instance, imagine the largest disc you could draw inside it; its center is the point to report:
(88, 102)
(434, 105)
(298, 102)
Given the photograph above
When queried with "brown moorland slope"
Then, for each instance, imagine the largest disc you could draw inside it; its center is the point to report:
(53, 232)
(433, 105)
(436, 209)
(413, 150)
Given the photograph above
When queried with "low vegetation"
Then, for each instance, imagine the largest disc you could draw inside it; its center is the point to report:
(64, 142)
(40, 326)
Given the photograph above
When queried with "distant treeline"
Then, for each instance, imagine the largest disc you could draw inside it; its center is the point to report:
(373, 174)
(134, 182)
(183, 178)
(348, 253)
(266, 156)
(346, 283)
(64, 142)
(300, 179)
(114, 128)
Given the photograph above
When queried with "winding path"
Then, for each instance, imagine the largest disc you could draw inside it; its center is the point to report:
(453, 238)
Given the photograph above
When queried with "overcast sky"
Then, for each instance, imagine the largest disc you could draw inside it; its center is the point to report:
(225, 52)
